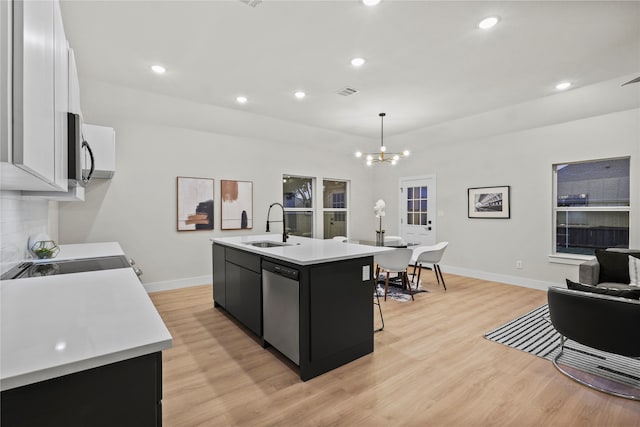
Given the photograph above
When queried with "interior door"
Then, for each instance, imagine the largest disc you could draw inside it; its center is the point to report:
(418, 210)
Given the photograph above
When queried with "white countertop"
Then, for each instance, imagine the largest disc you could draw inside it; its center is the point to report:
(302, 250)
(56, 325)
(84, 250)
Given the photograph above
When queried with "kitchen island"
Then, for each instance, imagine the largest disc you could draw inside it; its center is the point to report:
(81, 349)
(311, 299)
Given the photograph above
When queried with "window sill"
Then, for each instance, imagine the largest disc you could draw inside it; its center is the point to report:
(569, 259)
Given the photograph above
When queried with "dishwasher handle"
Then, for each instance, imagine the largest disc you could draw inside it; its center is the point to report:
(281, 270)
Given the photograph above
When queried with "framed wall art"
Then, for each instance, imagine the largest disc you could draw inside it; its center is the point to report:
(489, 202)
(195, 203)
(236, 201)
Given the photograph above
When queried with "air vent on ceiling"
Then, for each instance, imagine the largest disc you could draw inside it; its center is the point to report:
(348, 91)
(252, 3)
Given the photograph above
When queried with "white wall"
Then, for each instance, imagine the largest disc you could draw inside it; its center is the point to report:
(159, 138)
(489, 248)
(138, 206)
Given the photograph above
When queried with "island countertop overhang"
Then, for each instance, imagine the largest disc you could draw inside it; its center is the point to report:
(301, 250)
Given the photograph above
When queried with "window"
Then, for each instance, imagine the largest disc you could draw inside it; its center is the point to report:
(591, 206)
(297, 199)
(334, 208)
(417, 205)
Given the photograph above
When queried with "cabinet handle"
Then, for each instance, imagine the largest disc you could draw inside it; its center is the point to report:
(88, 147)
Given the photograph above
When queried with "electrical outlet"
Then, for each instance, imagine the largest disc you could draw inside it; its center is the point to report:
(366, 273)
(519, 264)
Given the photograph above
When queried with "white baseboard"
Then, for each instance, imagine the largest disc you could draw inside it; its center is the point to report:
(177, 284)
(501, 278)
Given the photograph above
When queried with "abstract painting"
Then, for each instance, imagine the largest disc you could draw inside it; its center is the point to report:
(489, 202)
(195, 203)
(237, 205)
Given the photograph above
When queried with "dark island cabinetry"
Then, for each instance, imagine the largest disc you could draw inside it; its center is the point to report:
(237, 285)
(219, 276)
(335, 303)
(125, 393)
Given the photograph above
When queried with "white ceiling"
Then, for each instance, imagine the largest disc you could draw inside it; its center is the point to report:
(428, 63)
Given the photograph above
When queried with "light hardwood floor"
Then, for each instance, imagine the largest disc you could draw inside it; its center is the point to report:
(431, 366)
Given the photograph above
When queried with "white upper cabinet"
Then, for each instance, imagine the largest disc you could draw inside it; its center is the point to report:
(33, 89)
(6, 38)
(61, 98)
(74, 85)
(34, 154)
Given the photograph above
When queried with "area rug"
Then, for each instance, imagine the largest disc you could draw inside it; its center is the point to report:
(395, 291)
(534, 334)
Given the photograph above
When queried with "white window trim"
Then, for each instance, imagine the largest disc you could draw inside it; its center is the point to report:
(347, 201)
(567, 258)
(317, 209)
(312, 209)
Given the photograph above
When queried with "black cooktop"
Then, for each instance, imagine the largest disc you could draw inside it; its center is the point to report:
(30, 269)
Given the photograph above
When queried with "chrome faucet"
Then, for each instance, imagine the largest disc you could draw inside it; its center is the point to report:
(284, 224)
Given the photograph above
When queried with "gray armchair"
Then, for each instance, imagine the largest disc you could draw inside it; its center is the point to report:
(589, 271)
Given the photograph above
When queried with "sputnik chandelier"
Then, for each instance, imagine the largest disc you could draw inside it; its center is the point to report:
(383, 156)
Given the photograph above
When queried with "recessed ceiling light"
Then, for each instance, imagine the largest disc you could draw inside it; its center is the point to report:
(241, 99)
(158, 69)
(370, 2)
(563, 85)
(488, 22)
(358, 62)
(300, 94)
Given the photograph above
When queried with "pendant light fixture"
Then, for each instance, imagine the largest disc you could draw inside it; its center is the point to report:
(383, 156)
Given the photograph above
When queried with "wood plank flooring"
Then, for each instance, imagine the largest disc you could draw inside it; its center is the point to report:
(431, 366)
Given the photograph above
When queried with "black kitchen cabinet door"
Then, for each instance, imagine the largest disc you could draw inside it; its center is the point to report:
(124, 394)
(219, 276)
(244, 296)
(340, 310)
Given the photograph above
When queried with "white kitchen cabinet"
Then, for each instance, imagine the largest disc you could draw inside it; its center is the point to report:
(34, 150)
(61, 98)
(6, 64)
(74, 85)
(102, 140)
(74, 193)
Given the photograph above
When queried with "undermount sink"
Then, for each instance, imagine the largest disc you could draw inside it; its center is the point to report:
(267, 244)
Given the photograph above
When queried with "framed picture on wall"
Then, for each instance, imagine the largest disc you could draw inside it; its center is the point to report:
(195, 203)
(489, 202)
(236, 201)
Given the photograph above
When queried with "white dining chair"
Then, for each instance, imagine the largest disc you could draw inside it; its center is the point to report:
(396, 261)
(342, 239)
(429, 255)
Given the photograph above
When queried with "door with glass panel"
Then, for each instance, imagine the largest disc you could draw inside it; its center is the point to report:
(418, 210)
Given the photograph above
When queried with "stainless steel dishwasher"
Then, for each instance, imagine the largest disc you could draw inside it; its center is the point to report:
(281, 308)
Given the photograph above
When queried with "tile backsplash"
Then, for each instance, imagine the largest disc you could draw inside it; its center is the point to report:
(20, 218)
